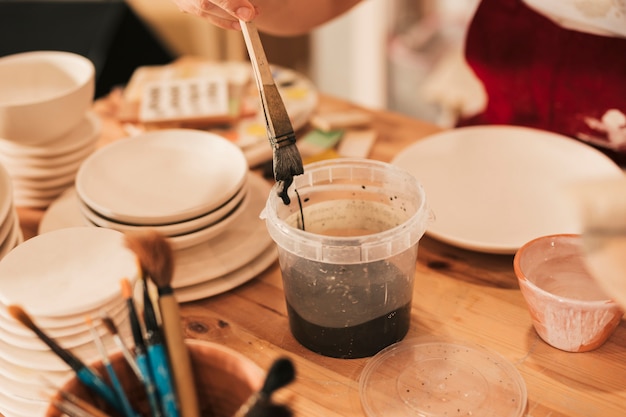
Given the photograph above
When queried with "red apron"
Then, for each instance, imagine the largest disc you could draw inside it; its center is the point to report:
(541, 75)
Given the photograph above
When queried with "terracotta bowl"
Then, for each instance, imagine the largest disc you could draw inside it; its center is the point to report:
(43, 95)
(224, 380)
(568, 308)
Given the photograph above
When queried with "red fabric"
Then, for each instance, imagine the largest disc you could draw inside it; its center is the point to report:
(541, 75)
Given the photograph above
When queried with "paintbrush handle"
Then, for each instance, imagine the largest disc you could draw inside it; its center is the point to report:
(179, 356)
(160, 370)
(121, 395)
(148, 380)
(280, 130)
(260, 66)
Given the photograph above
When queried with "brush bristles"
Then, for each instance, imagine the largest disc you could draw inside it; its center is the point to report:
(20, 315)
(109, 324)
(154, 254)
(281, 373)
(287, 163)
(127, 289)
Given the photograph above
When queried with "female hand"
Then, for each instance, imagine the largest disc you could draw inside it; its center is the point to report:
(222, 13)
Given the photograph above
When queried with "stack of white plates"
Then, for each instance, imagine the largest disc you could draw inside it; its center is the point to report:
(10, 232)
(192, 186)
(76, 274)
(41, 172)
(187, 184)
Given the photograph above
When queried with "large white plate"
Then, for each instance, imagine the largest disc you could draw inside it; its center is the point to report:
(493, 188)
(160, 177)
(607, 18)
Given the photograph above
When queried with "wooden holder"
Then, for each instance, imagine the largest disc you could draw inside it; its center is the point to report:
(224, 380)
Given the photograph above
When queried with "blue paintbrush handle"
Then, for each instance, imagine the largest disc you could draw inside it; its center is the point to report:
(97, 385)
(144, 367)
(163, 379)
(121, 395)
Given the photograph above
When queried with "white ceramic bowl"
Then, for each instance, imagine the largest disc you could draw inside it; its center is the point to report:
(43, 94)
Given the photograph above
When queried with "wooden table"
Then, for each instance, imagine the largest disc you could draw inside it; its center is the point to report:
(460, 294)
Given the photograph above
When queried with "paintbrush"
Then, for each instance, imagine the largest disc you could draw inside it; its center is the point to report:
(281, 373)
(270, 410)
(141, 360)
(157, 261)
(85, 374)
(70, 409)
(115, 382)
(112, 329)
(286, 156)
(155, 350)
(68, 397)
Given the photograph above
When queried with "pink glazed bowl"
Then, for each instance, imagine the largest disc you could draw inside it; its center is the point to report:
(569, 310)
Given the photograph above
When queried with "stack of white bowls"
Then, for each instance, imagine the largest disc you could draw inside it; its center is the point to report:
(192, 186)
(10, 231)
(76, 274)
(46, 128)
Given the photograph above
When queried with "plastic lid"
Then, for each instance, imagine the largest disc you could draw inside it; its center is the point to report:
(435, 377)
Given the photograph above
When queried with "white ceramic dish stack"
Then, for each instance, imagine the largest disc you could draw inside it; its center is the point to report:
(10, 232)
(40, 173)
(187, 184)
(46, 129)
(192, 186)
(76, 275)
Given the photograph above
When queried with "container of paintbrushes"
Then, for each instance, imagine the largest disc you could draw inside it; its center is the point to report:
(224, 380)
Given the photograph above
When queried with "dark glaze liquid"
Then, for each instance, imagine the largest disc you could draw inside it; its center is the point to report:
(363, 340)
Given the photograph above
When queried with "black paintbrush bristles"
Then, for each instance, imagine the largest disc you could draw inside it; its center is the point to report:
(281, 373)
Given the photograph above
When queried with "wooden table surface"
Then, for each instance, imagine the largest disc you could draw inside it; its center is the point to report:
(459, 294)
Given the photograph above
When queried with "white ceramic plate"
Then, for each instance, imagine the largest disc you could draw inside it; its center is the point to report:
(172, 229)
(37, 173)
(86, 132)
(13, 372)
(60, 328)
(77, 270)
(14, 163)
(493, 188)
(6, 193)
(161, 177)
(230, 280)
(7, 224)
(44, 183)
(13, 238)
(13, 406)
(82, 136)
(243, 242)
(82, 336)
(606, 18)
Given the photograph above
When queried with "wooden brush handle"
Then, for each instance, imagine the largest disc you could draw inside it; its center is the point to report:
(179, 357)
(262, 70)
(280, 130)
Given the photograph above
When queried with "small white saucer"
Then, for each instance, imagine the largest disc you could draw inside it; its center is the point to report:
(160, 177)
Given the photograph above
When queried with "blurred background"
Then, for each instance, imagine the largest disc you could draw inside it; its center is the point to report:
(404, 55)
